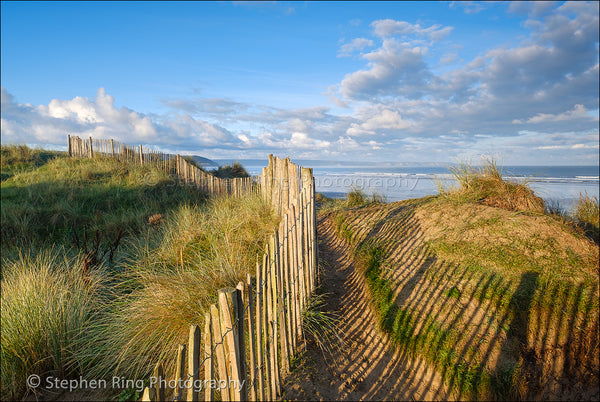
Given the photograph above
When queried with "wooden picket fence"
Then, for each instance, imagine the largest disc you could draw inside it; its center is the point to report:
(174, 165)
(252, 334)
(254, 331)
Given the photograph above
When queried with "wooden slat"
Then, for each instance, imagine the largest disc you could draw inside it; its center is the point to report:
(259, 330)
(240, 317)
(252, 341)
(228, 308)
(159, 375)
(193, 361)
(209, 365)
(220, 349)
(180, 372)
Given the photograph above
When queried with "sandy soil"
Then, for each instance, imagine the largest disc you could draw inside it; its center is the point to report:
(366, 366)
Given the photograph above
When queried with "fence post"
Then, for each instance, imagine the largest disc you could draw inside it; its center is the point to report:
(251, 332)
(219, 339)
(149, 395)
(193, 361)
(259, 329)
(287, 284)
(315, 241)
(294, 276)
(229, 309)
(69, 145)
(208, 356)
(285, 191)
(266, 319)
(274, 268)
(91, 151)
(281, 265)
(180, 372)
(141, 155)
(242, 295)
(159, 376)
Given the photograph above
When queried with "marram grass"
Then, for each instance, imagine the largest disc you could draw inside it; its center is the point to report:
(170, 280)
(47, 303)
(486, 185)
(71, 195)
(587, 215)
(177, 250)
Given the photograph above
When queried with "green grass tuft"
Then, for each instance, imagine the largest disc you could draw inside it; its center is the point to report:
(321, 326)
(20, 158)
(587, 214)
(48, 302)
(486, 185)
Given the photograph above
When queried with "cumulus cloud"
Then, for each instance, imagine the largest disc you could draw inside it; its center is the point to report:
(297, 141)
(98, 117)
(385, 120)
(394, 69)
(578, 111)
(469, 7)
(549, 80)
(303, 141)
(415, 94)
(357, 44)
(388, 27)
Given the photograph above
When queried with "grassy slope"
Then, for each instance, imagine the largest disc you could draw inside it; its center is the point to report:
(120, 317)
(65, 196)
(20, 158)
(504, 304)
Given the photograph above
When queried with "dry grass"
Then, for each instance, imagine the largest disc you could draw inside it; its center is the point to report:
(587, 215)
(486, 185)
(177, 250)
(172, 278)
(47, 304)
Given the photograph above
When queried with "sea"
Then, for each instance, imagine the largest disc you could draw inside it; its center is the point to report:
(559, 185)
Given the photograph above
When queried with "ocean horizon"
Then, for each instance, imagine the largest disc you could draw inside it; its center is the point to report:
(560, 185)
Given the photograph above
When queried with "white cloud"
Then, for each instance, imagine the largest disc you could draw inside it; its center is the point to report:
(575, 146)
(50, 124)
(375, 145)
(470, 7)
(532, 8)
(395, 68)
(384, 120)
(539, 81)
(303, 141)
(578, 111)
(388, 27)
(408, 96)
(357, 44)
(346, 144)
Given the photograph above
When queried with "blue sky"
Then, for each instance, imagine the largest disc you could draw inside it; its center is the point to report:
(377, 81)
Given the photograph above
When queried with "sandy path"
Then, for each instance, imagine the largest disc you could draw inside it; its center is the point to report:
(366, 367)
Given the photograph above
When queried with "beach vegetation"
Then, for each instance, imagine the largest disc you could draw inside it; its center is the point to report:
(105, 264)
